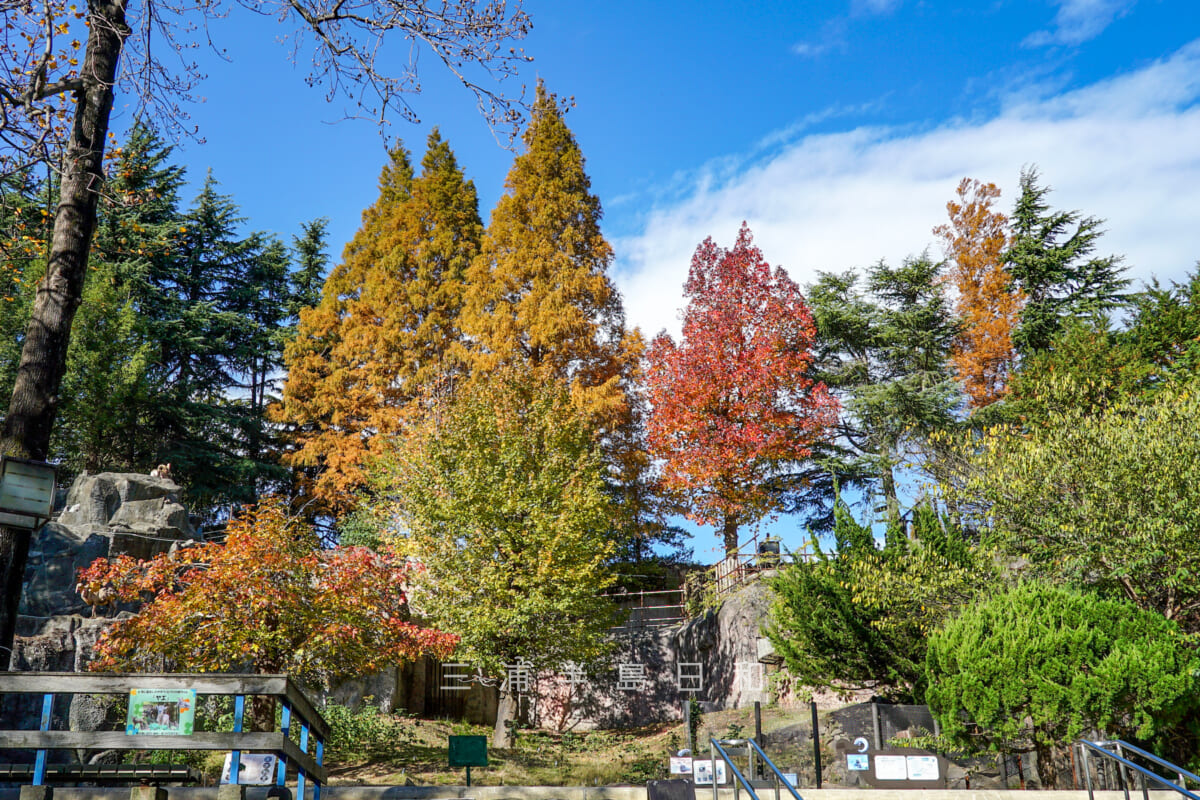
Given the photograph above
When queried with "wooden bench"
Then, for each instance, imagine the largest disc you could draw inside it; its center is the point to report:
(51, 684)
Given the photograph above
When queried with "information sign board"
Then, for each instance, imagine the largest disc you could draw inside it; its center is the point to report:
(254, 769)
(159, 712)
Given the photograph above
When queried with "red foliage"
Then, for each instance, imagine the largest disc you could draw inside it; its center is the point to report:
(733, 401)
(267, 600)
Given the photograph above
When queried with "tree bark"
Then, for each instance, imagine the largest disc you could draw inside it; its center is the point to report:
(34, 402)
(729, 533)
(506, 716)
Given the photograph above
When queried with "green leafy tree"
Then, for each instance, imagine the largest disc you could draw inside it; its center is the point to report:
(1102, 498)
(1037, 666)
(1048, 259)
(500, 494)
(859, 617)
(386, 330)
(885, 354)
(1159, 343)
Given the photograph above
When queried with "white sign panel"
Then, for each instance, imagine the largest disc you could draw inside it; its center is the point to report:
(891, 768)
(922, 768)
(702, 772)
(256, 769)
(681, 766)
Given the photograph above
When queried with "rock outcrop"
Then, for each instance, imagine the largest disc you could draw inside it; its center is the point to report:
(104, 515)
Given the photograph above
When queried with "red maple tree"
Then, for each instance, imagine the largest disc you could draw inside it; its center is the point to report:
(733, 401)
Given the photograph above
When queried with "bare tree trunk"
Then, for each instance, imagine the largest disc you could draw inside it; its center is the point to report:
(506, 716)
(729, 533)
(34, 402)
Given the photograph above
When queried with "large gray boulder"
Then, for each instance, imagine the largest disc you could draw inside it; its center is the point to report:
(105, 515)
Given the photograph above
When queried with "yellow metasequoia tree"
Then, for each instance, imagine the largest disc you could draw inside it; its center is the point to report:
(386, 328)
(975, 238)
(540, 295)
(539, 292)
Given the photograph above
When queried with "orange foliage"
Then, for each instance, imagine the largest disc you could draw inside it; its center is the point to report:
(267, 599)
(975, 238)
(384, 330)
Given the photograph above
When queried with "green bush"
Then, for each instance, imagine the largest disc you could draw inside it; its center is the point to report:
(1038, 666)
(362, 731)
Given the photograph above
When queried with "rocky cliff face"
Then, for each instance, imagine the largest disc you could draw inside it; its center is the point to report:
(721, 658)
(104, 515)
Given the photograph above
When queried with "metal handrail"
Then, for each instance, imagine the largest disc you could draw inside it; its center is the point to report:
(1162, 762)
(1100, 749)
(779, 778)
(715, 748)
(718, 746)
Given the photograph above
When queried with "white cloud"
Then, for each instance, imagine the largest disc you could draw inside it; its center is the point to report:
(873, 6)
(1126, 150)
(813, 49)
(1077, 21)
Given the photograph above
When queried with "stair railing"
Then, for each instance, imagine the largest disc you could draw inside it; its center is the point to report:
(1117, 756)
(718, 748)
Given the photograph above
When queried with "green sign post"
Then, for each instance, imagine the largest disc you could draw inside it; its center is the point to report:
(468, 751)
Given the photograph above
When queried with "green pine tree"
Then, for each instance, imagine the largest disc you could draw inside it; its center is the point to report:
(885, 353)
(1048, 259)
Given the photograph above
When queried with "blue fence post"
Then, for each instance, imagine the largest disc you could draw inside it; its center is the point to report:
(235, 758)
(303, 749)
(284, 724)
(320, 763)
(39, 764)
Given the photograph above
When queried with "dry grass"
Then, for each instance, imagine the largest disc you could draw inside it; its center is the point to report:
(413, 751)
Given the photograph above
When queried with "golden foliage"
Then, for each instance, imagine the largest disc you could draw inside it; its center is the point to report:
(975, 238)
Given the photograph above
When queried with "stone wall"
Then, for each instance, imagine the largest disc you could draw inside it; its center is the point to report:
(734, 661)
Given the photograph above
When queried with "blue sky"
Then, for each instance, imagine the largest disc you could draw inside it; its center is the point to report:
(837, 129)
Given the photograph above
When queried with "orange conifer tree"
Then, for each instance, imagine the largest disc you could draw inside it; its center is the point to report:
(540, 293)
(539, 296)
(387, 324)
(975, 239)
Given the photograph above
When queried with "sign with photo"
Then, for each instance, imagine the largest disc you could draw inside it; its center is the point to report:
(703, 772)
(858, 762)
(681, 765)
(158, 712)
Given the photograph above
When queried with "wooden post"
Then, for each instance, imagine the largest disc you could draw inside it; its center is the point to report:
(875, 723)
